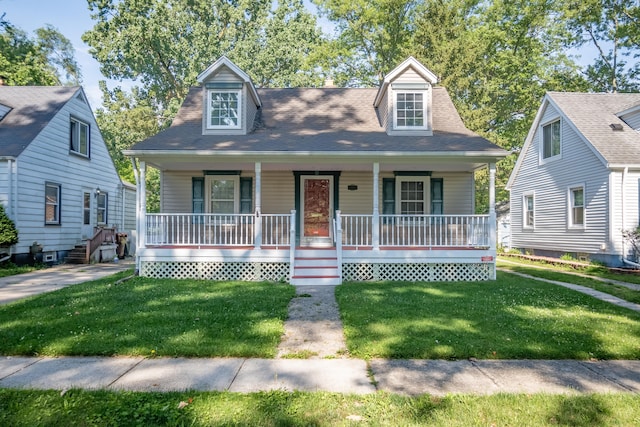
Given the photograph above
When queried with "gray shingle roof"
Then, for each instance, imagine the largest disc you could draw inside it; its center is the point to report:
(32, 107)
(593, 113)
(319, 120)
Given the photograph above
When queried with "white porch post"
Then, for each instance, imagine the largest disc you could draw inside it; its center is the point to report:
(257, 237)
(492, 213)
(375, 222)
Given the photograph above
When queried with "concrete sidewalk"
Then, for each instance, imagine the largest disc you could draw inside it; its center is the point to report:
(407, 377)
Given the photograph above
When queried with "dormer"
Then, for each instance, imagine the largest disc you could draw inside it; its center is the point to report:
(229, 98)
(404, 100)
(631, 116)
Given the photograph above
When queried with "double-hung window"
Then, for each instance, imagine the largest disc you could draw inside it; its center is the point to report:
(224, 108)
(413, 195)
(576, 207)
(410, 110)
(528, 211)
(102, 208)
(79, 137)
(551, 140)
(52, 203)
(224, 194)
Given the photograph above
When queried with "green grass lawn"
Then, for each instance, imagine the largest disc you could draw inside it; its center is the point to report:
(149, 317)
(10, 269)
(551, 273)
(509, 318)
(280, 408)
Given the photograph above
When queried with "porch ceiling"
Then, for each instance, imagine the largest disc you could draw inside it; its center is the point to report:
(306, 161)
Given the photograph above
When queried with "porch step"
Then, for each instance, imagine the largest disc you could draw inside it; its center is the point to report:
(77, 255)
(316, 267)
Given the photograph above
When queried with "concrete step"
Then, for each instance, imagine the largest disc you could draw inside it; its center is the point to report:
(315, 281)
(329, 270)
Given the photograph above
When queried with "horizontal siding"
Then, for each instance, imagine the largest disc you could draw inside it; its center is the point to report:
(625, 205)
(278, 192)
(4, 184)
(409, 76)
(549, 182)
(633, 120)
(47, 159)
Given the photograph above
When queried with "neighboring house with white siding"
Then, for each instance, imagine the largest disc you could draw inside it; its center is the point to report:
(58, 182)
(317, 185)
(575, 186)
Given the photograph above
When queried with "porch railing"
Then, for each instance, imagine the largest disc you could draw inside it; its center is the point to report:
(418, 230)
(278, 230)
(216, 229)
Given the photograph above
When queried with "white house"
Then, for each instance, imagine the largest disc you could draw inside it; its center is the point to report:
(58, 182)
(575, 186)
(317, 185)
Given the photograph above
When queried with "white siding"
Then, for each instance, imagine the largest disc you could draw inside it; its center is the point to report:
(633, 120)
(278, 192)
(47, 159)
(550, 182)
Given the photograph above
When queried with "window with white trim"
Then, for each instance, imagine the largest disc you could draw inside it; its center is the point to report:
(413, 195)
(528, 211)
(223, 194)
(52, 203)
(576, 207)
(102, 207)
(551, 140)
(79, 137)
(410, 110)
(224, 109)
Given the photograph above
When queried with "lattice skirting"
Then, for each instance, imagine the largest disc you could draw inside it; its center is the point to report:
(442, 272)
(249, 271)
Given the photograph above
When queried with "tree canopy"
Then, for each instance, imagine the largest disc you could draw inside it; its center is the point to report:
(46, 59)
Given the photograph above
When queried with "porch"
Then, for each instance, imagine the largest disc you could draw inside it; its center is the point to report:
(361, 247)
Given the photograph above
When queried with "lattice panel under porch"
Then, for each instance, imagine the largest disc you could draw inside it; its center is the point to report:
(249, 271)
(417, 272)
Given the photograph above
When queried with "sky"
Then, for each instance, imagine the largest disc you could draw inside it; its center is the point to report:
(72, 18)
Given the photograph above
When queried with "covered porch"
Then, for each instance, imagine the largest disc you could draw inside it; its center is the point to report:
(301, 230)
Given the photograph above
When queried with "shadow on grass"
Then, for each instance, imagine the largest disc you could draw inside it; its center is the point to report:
(579, 411)
(510, 318)
(149, 317)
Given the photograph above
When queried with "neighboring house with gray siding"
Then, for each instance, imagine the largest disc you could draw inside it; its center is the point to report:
(575, 186)
(58, 182)
(317, 185)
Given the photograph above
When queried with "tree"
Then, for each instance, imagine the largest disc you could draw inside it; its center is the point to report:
(612, 28)
(48, 59)
(374, 37)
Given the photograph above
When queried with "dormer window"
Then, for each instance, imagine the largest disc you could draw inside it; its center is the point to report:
(224, 102)
(410, 111)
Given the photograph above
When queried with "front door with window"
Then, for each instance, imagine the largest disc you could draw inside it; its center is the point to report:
(316, 210)
(87, 219)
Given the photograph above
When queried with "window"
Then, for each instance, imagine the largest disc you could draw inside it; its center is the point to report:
(576, 206)
(86, 208)
(551, 140)
(79, 140)
(410, 110)
(223, 194)
(52, 203)
(413, 195)
(224, 109)
(103, 199)
(528, 211)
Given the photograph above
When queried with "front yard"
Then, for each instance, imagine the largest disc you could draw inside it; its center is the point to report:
(510, 318)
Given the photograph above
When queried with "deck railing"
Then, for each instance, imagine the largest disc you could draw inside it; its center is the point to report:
(216, 229)
(417, 231)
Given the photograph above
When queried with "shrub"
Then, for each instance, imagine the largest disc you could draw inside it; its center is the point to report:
(8, 231)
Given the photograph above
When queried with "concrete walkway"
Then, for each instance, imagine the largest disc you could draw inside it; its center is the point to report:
(407, 377)
(314, 327)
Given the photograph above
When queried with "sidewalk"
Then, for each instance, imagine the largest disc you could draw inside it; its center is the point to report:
(407, 377)
(329, 370)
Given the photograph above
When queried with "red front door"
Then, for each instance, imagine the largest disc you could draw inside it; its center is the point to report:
(317, 208)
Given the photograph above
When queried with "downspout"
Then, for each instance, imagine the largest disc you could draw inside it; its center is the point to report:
(624, 246)
(136, 175)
